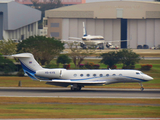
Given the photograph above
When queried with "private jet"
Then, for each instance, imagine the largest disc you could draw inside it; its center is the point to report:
(87, 40)
(78, 78)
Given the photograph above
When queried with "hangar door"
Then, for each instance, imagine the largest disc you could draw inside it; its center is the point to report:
(123, 33)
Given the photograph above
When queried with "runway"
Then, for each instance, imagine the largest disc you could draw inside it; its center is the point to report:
(84, 93)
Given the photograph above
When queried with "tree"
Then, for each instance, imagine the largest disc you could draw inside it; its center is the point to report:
(44, 49)
(63, 59)
(6, 65)
(8, 47)
(128, 58)
(110, 58)
(78, 54)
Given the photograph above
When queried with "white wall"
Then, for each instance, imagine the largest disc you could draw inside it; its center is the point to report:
(16, 34)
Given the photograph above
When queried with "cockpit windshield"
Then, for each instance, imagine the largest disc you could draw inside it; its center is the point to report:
(138, 73)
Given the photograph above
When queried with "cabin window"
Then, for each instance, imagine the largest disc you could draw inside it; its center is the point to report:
(101, 75)
(120, 74)
(107, 75)
(75, 75)
(88, 75)
(94, 75)
(114, 74)
(81, 75)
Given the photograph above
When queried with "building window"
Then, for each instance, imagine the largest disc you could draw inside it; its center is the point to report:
(45, 22)
(22, 37)
(54, 24)
(54, 34)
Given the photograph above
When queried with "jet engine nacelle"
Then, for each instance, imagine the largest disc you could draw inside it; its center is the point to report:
(50, 73)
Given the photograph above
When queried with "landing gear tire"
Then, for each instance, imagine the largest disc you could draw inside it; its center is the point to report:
(76, 89)
(141, 87)
(79, 88)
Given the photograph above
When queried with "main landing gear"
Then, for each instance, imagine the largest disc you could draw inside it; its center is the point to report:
(141, 87)
(75, 87)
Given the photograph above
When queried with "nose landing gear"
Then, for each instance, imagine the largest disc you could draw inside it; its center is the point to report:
(141, 87)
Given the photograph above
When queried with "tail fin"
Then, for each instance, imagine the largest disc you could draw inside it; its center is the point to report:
(84, 30)
(29, 64)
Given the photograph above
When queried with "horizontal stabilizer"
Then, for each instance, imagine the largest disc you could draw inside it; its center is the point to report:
(22, 55)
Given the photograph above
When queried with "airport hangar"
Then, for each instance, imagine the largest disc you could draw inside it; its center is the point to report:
(135, 21)
(17, 21)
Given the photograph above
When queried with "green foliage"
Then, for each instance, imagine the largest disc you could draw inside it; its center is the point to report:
(44, 49)
(90, 65)
(52, 65)
(110, 58)
(63, 59)
(20, 72)
(125, 56)
(6, 65)
(7, 47)
(128, 58)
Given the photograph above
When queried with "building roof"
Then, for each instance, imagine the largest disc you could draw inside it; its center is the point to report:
(16, 15)
(108, 10)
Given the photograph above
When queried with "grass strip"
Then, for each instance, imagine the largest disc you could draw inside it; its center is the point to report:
(11, 107)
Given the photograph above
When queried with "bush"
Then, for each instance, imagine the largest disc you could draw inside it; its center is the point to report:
(20, 73)
(146, 67)
(81, 66)
(113, 67)
(128, 67)
(96, 66)
(66, 66)
(91, 65)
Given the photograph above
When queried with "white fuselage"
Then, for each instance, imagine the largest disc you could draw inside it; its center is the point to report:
(90, 76)
(93, 40)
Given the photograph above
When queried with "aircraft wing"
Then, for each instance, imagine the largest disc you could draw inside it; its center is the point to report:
(75, 38)
(75, 81)
(117, 41)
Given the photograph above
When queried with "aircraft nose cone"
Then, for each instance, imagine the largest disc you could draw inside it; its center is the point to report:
(148, 77)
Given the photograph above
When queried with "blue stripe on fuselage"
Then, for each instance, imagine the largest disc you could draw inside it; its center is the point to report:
(25, 68)
(30, 73)
(142, 80)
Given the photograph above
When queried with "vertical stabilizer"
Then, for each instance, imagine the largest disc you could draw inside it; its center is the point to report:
(29, 64)
(84, 30)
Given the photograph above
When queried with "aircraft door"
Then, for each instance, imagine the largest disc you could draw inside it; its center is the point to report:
(60, 72)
